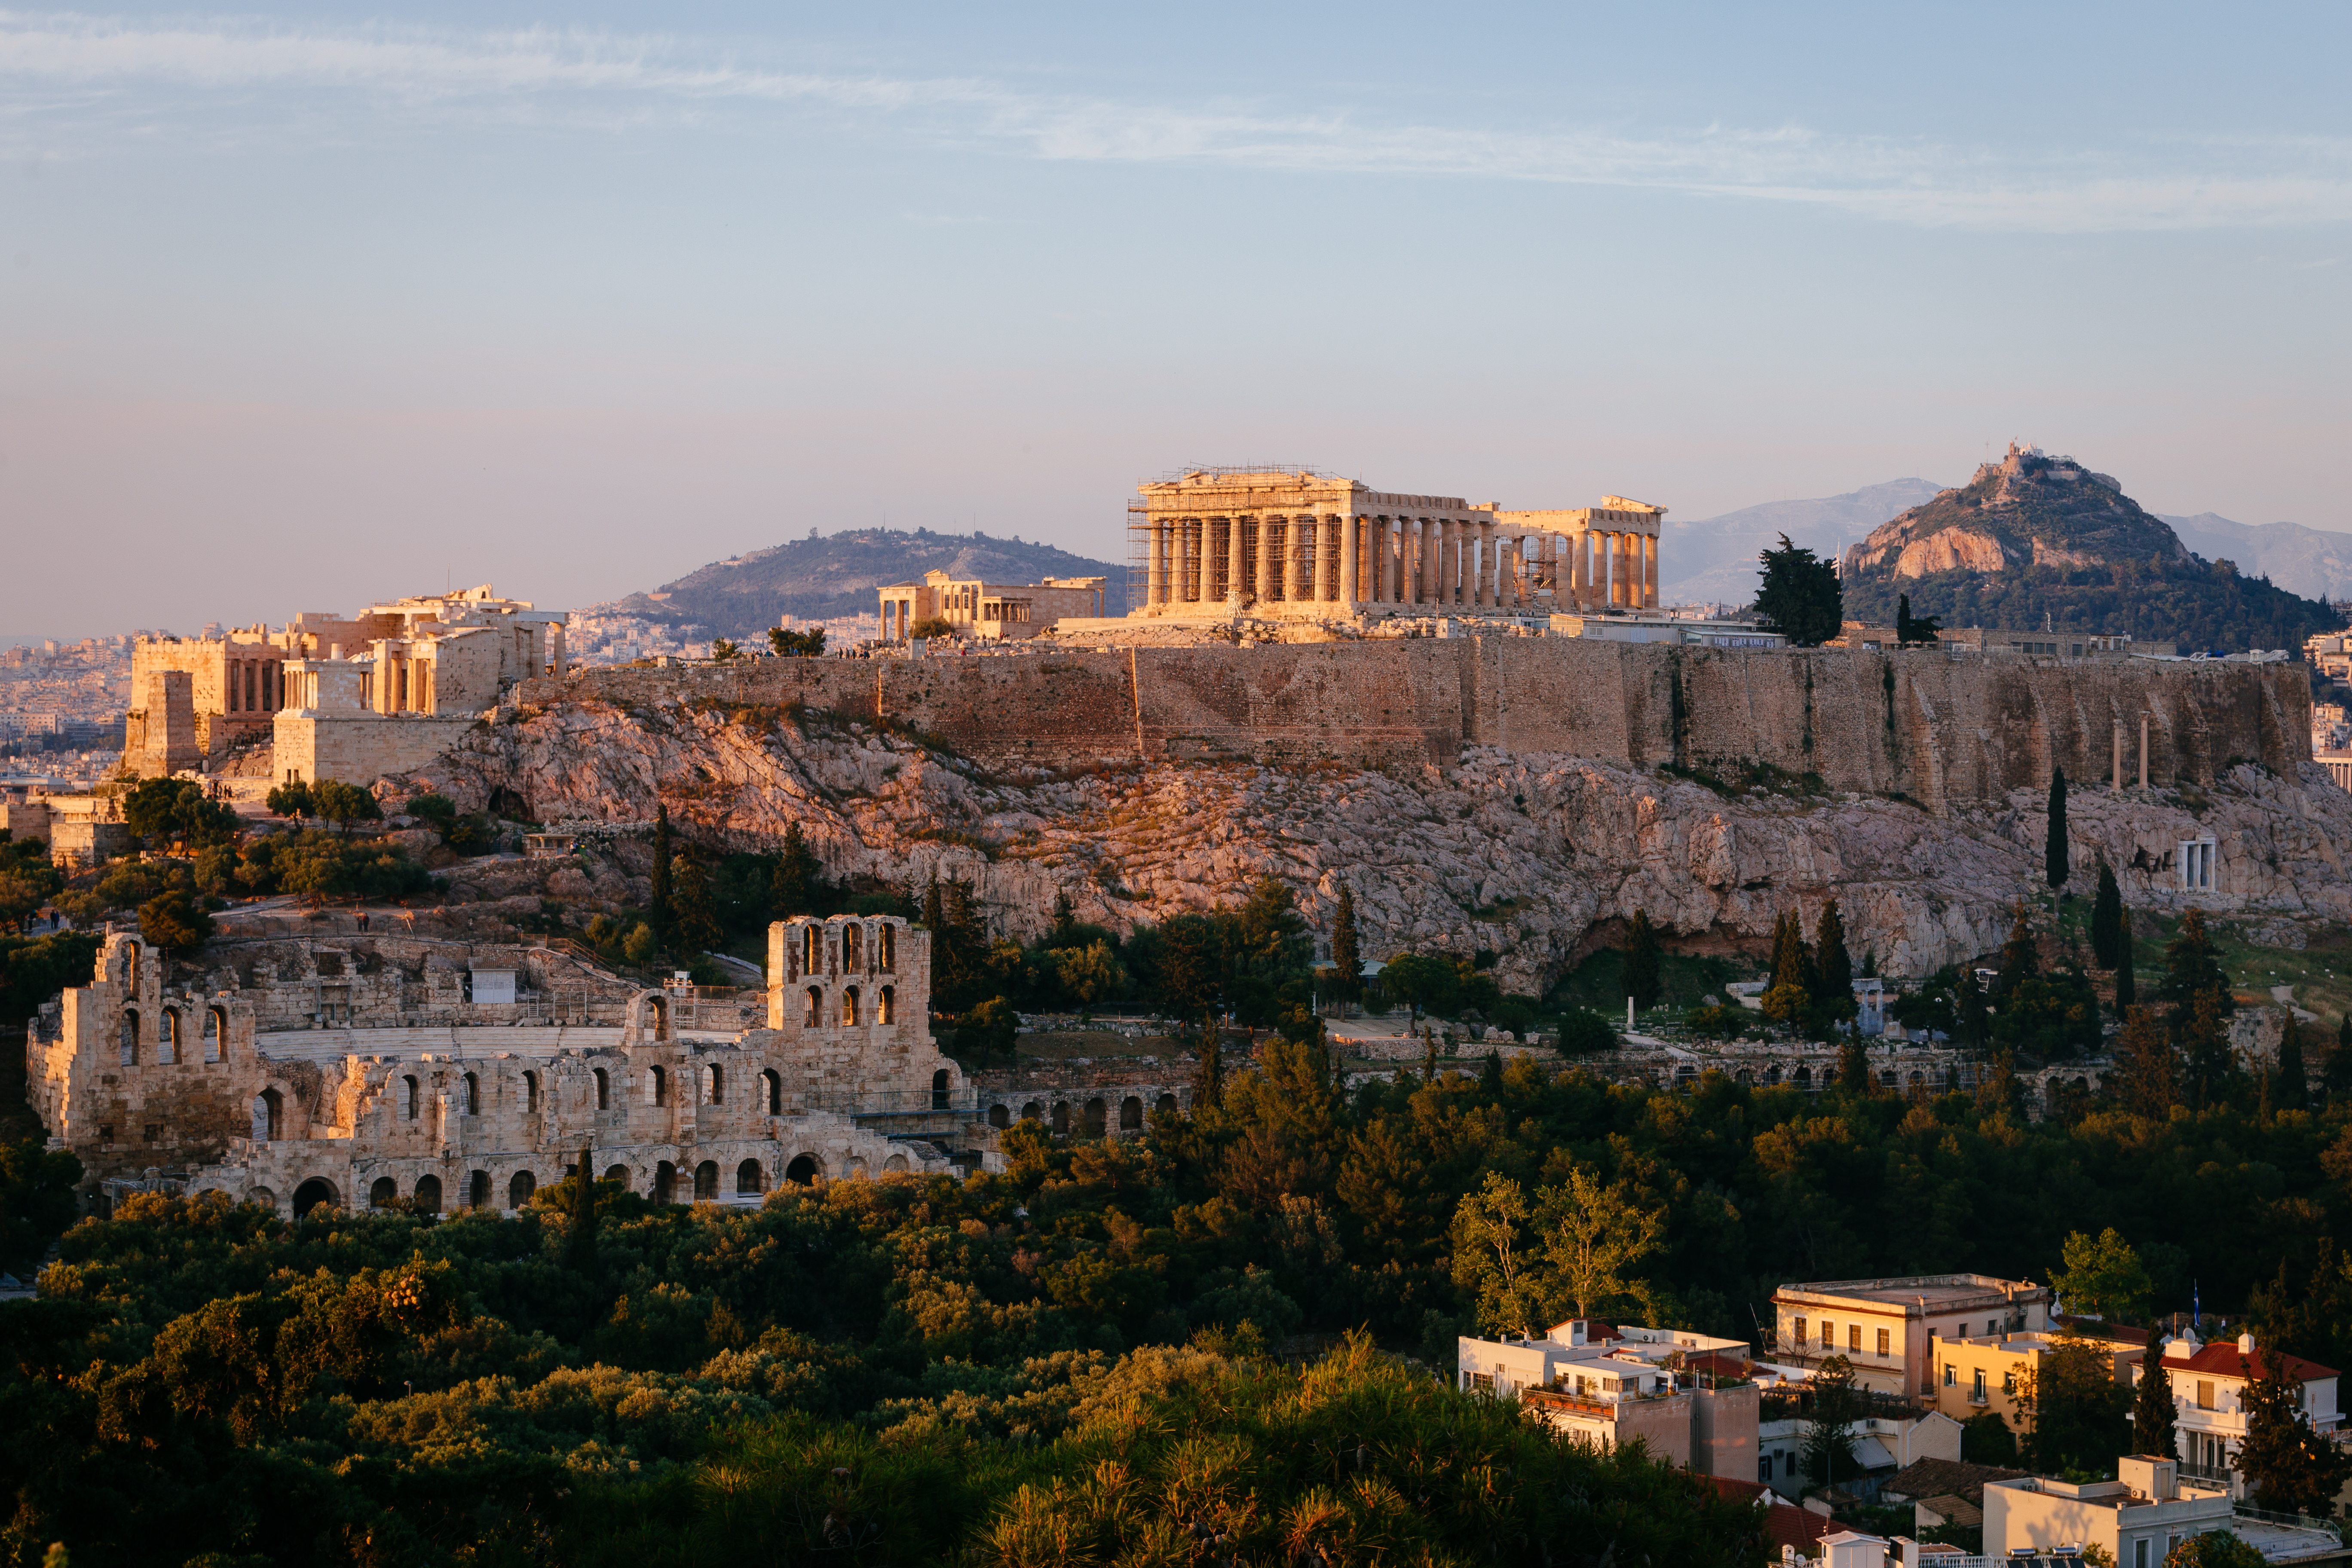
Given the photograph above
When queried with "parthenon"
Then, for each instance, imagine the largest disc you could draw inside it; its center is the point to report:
(1218, 543)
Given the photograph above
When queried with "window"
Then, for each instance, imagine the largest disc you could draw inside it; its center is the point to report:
(1961, 1332)
(129, 1037)
(661, 1086)
(1949, 1372)
(410, 1097)
(2009, 1380)
(604, 1091)
(216, 1034)
(1829, 1335)
(889, 1003)
(1853, 1338)
(529, 1097)
(1797, 1332)
(1886, 1342)
(940, 1089)
(473, 1095)
(717, 1087)
(849, 946)
(2204, 1395)
(849, 1006)
(815, 1015)
(773, 1093)
(1977, 1388)
(167, 1036)
(1764, 1468)
(811, 951)
(886, 950)
(2140, 1552)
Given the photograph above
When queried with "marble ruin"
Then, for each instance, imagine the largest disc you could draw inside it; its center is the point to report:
(1217, 543)
(989, 610)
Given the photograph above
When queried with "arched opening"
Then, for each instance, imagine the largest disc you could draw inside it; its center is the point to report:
(811, 951)
(1743, 1078)
(1095, 1116)
(885, 946)
(1130, 1114)
(130, 965)
(618, 1173)
(660, 1085)
(803, 1171)
(718, 1086)
(473, 1094)
(998, 1116)
(772, 1092)
(665, 1183)
(428, 1195)
(478, 1190)
(167, 1036)
(659, 1007)
(129, 1034)
(1886, 1078)
(888, 1001)
(520, 1188)
(408, 1097)
(849, 1006)
(749, 1178)
(382, 1192)
(1062, 1117)
(1686, 1076)
(1803, 1077)
(531, 1094)
(814, 1017)
(896, 1163)
(1033, 1112)
(215, 1034)
(1166, 1105)
(604, 1091)
(706, 1179)
(1772, 1073)
(1917, 1079)
(849, 949)
(940, 1089)
(263, 1196)
(315, 1191)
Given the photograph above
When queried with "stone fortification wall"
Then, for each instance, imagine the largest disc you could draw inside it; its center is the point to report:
(1947, 731)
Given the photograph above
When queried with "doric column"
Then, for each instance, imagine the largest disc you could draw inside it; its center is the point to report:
(1269, 560)
(1351, 538)
(1485, 593)
(1233, 563)
(1188, 580)
(1650, 570)
(1392, 559)
(1155, 571)
(1444, 561)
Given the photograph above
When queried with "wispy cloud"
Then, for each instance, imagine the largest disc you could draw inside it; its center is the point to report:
(65, 72)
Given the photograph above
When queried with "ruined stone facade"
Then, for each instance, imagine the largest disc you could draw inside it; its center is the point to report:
(357, 1088)
(994, 610)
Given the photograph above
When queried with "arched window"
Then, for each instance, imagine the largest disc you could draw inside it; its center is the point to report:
(665, 1183)
(383, 1193)
(849, 949)
(1062, 1117)
(478, 1190)
(520, 1190)
(428, 1195)
(998, 1116)
(531, 1094)
(167, 1036)
(268, 1114)
(313, 1194)
(661, 1086)
(215, 1034)
(706, 1179)
(773, 1092)
(718, 1085)
(849, 1006)
(618, 1173)
(815, 1014)
(889, 1003)
(409, 1099)
(749, 1178)
(604, 1091)
(1097, 1114)
(130, 1037)
(1130, 1114)
(131, 966)
(885, 946)
(811, 952)
(803, 1171)
(473, 1095)
(1167, 1106)
(1033, 1112)
(659, 1007)
(940, 1089)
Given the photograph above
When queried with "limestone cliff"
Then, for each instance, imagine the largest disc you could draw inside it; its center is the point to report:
(1531, 855)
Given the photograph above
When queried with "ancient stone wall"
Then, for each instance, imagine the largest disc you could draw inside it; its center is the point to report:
(360, 747)
(1945, 731)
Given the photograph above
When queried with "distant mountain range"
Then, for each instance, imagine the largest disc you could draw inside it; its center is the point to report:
(838, 573)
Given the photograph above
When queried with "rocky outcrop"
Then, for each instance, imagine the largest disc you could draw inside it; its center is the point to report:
(1534, 858)
(1951, 549)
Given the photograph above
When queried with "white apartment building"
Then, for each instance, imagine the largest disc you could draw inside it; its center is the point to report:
(1885, 1327)
(1684, 1395)
(2208, 1389)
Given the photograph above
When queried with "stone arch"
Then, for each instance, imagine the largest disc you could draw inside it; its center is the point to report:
(1130, 1114)
(658, 1085)
(716, 1082)
(856, 1168)
(408, 1097)
(127, 1038)
(940, 1089)
(849, 1006)
(382, 1192)
(657, 1006)
(167, 1034)
(999, 1116)
(478, 1190)
(618, 1173)
(428, 1195)
(887, 1002)
(665, 1183)
(1033, 1112)
(1686, 1076)
(1093, 1117)
(771, 1091)
(896, 1163)
(269, 1114)
(1771, 1073)
(604, 1089)
(806, 1170)
(520, 1188)
(1062, 1116)
(1803, 1076)
(1745, 1077)
(531, 1094)
(314, 1193)
(216, 1034)
(706, 1179)
(749, 1178)
(1886, 1078)
(885, 952)
(814, 1017)
(261, 1196)
(851, 946)
(1916, 1080)
(1166, 1105)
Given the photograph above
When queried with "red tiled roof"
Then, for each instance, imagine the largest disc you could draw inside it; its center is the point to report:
(1798, 1527)
(1717, 1363)
(2093, 1328)
(2227, 1360)
(1736, 1489)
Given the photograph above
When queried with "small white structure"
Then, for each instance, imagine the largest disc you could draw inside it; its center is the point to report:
(2196, 862)
(492, 985)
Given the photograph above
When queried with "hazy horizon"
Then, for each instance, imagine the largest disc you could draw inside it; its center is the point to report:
(309, 305)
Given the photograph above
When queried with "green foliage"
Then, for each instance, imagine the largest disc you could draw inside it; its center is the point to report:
(2153, 1410)
(986, 1031)
(1563, 1251)
(2110, 933)
(2215, 1549)
(431, 807)
(693, 914)
(2077, 1410)
(1347, 949)
(722, 650)
(343, 804)
(1910, 629)
(2055, 866)
(797, 886)
(38, 1200)
(178, 811)
(1799, 594)
(1641, 962)
(318, 866)
(1828, 1456)
(1832, 968)
(2288, 1466)
(173, 919)
(291, 799)
(1986, 1439)
(27, 880)
(932, 626)
(2102, 1277)
(809, 643)
(664, 849)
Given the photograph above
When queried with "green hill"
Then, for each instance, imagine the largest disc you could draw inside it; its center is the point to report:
(837, 575)
(2036, 541)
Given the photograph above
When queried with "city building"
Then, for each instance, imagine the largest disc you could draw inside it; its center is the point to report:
(1999, 1371)
(2208, 1389)
(1890, 1435)
(1684, 1395)
(994, 610)
(2137, 1518)
(1883, 1328)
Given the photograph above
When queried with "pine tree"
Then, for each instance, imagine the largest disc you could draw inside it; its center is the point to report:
(1347, 954)
(1065, 917)
(2190, 966)
(2152, 1408)
(694, 916)
(2293, 1082)
(1799, 594)
(2020, 959)
(580, 1241)
(1791, 963)
(659, 913)
(1428, 1054)
(2149, 1072)
(1490, 1075)
(792, 888)
(2212, 1065)
(2127, 988)
(1641, 965)
(2108, 933)
(1854, 1068)
(1208, 1084)
(2337, 1078)
(1833, 968)
(2054, 866)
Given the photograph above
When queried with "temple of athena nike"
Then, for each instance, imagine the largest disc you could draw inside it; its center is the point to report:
(1218, 543)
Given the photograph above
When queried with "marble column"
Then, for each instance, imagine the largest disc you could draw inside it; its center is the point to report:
(1155, 575)
(1485, 596)
(1235, 539)
(1391, 560)
(1351, 539)
(1650, 570)
(1269, 560)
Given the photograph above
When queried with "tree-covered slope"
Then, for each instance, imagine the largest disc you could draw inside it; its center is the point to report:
(2035, 541)
(836, 574)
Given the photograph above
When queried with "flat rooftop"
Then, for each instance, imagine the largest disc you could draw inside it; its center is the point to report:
(1937, 1292)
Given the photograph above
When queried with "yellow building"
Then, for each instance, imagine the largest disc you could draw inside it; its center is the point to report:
(1885, 1327)
(2000, 1372)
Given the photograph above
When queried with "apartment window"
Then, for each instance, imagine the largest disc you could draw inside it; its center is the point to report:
(1764, 1469)
(1977, 1389)
(1829, 1335)
(1960, 1331)
(2009, 1380)
(2204, 1397)
(1853, 1338)
(1799, 1326)
(2140, 1552)
(1948, 1375)
(1886, 1342)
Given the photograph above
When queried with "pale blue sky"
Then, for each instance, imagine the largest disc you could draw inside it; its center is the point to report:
(302, 308)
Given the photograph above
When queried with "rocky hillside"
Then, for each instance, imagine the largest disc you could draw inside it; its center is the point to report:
(1535, 859)
(1712, 559)
(836, 574)
(2036, 539)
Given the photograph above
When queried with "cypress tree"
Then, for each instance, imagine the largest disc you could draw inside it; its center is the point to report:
(1829, 960)
(2020, 959)
(1209, 1086)
(1641, 969)
(2054, 866)
(1347, 954)
(1790, 966)
(1065, 917)
(1428, 1054)
(1490, 1075)
(1902, 619)
(2108, 933)
(2191, 968)
(661, 889)
(2337, 1077)
(2294, 1082)
(580, 1242)
(792, 889)
(2152, 1408)
(2151, 1073)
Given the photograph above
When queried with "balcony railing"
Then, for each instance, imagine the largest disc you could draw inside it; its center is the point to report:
(2295, 1521)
